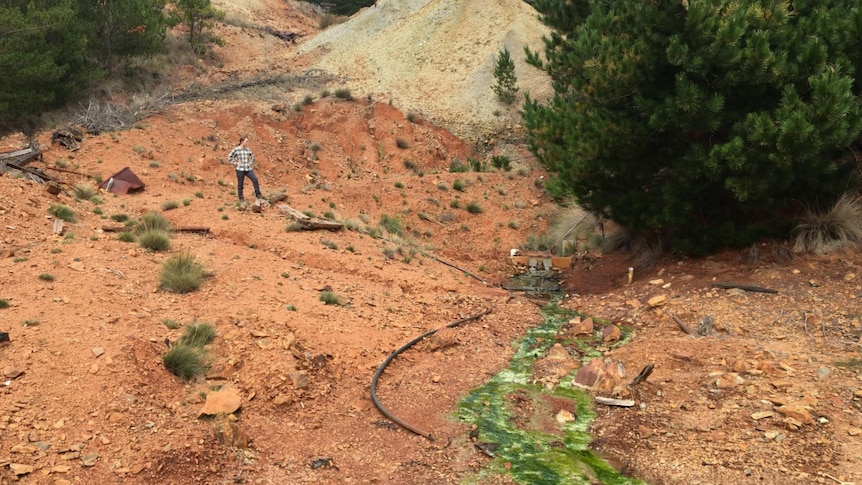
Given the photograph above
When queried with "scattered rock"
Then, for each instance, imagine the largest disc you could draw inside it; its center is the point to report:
(282, 399)
(564, 416)
(611, 333)
(600, 375)
(761, 415)
(230, 433)
(797, 413)
(443, 338)
(12, 372)
(98, 351)
(657, 301)
(89, 459)
(20, 469)
(299, 379)
(854, 431)
(224, 401)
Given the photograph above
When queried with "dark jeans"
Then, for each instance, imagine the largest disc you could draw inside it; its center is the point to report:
(240, 179)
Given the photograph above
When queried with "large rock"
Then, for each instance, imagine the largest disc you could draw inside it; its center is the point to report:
(224, 401)
(601, 376)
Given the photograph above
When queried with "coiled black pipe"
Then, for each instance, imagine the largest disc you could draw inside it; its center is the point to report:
(395, 354)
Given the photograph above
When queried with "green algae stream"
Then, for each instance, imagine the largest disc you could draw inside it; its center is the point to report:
(535, 450)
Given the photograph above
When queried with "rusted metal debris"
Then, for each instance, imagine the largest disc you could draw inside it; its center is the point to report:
(69, 137)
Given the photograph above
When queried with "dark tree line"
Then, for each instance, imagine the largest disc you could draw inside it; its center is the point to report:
(51, 50)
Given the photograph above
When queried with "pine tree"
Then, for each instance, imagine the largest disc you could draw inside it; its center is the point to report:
(506, 82)
(43, 59)
(705, 122)
(123, 29)
(198, 16)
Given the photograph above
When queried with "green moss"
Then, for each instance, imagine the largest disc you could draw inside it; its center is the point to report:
(532, 454)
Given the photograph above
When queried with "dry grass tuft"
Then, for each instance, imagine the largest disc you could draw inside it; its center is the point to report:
(821, 232)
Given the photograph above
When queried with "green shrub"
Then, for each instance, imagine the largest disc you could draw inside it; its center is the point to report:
(182, 274)
(170, 205)
(343, 93)
(126, 236)
(4, 303)
(724, 121)
(501, 162)
(402, 143)
(474, 208)
(62, 212)
(171, 324)
(392, 224)
(459, 185)
(456, 166)
(155, 240)
(46, 277)
(153, 221)
(197, 334)
(185, 362)
(120, 217)
(399, 185)
(330, 298)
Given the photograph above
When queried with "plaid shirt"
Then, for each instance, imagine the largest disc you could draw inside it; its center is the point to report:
(242, 157)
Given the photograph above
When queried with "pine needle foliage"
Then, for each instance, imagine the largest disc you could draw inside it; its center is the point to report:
(703, 122)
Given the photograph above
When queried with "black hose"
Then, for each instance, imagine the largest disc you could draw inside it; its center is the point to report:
(395, 354)
(459, 269)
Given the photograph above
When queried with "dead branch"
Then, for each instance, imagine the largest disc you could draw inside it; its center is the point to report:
(682, 325)
(607, 401)
(758, 289)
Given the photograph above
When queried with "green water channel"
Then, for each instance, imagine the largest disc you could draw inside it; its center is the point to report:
(526, 455)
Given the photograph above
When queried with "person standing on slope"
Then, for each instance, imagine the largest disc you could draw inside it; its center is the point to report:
(243, 159)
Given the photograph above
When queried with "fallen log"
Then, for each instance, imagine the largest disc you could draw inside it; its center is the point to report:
(727, 286)
(21, 157)
(310, 224)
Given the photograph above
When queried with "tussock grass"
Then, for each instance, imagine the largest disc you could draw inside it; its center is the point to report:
(155, 240)
(182, 273)
(185, 362)
(85, 190)
(330, 298)
(569, 225)
(197, 334)
(821, 232)
(62, 212)
(392, 224)
(153, 221)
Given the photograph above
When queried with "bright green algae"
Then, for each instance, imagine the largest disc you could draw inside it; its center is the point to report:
(530, 456)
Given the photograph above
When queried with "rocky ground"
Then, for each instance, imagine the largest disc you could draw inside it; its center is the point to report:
(770, 393)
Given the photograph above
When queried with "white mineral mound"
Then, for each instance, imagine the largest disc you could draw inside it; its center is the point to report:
(435, 57)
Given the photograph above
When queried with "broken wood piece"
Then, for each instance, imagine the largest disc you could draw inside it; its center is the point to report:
(21, 157)
(607, 401)
(308, 223)
(643, 374)
(759, 289)
(682, 325)
(58, 226)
